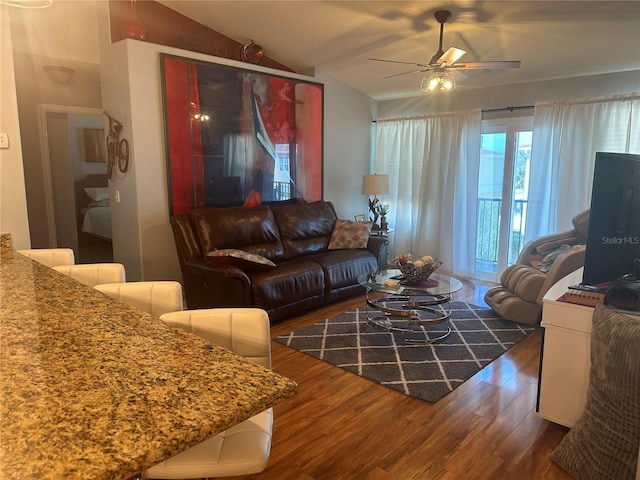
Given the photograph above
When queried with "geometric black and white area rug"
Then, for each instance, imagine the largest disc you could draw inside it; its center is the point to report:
(427, 372)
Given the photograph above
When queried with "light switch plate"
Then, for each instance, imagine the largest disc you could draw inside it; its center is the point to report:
(4, 140)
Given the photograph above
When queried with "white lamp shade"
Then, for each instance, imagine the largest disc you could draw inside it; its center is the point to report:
(375, 184)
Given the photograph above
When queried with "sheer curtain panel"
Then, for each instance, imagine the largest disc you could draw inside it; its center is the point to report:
(566, 137)
(432, 163)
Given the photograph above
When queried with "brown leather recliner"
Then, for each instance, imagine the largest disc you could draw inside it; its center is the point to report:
(541, 264)
(294, 236)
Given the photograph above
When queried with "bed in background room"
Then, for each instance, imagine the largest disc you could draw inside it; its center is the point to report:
(92, 205)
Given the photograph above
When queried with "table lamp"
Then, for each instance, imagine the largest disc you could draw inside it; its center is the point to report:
(375, 185)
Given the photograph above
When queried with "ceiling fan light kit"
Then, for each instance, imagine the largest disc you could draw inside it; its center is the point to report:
(437, 77)
(438, 81)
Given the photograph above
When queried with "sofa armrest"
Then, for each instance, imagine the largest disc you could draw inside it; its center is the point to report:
(379, 247)
(209, 286)
(186, 240)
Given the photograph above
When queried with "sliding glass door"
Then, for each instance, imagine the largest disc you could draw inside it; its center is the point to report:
(503, 187)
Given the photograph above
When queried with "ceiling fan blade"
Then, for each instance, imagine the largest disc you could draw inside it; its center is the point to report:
(398, 61)
(406, 73)
(487, 65)
(451, 56)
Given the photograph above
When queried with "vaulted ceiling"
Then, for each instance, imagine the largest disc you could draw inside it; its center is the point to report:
(553, 39)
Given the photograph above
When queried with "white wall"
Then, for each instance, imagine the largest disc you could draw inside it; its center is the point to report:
(157, 247)
(513, 95)
(13, 203)
(347, 145)
(117, 102)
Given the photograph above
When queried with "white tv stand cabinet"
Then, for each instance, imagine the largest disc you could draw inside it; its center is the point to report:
(565, 359)
(565, 355)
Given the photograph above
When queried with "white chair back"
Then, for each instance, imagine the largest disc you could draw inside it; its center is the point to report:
(92, 274)
(51, 257)
(156, 297)
(245, 331)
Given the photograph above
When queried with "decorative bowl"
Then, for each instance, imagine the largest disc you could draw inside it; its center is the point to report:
(416, 271)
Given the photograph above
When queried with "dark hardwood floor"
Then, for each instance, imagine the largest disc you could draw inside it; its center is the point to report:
(93, 249)
(339, 426)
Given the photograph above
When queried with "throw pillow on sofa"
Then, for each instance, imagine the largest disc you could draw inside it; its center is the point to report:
(348, 234)
(241, 259)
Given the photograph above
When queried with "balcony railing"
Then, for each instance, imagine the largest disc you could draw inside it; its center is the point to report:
(281, 190)
(489, 232)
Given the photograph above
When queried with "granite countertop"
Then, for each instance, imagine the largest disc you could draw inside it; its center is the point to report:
(92, 388)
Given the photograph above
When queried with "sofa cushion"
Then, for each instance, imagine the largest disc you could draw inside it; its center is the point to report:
(342, 267)
(290, 282)
(252, 229)
(603, 444)
(304, 228)
(348, 234)
(241, 259)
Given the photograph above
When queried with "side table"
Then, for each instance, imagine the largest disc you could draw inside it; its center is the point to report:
(382, 233)
(388, 234)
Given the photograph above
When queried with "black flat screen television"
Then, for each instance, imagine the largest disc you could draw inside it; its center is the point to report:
(613, 240)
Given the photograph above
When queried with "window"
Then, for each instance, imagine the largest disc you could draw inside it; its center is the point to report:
(282, 177)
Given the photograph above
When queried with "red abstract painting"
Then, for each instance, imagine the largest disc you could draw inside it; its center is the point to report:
(239, 137)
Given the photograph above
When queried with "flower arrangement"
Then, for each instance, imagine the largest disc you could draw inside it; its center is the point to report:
(416, 271)
(383, 209)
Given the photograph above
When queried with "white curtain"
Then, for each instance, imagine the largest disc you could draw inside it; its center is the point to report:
(566, 137)
(434, 160)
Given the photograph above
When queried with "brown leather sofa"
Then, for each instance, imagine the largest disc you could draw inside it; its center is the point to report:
(294, 236)
(541, 264)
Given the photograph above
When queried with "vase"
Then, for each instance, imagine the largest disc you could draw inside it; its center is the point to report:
(383, 223)
(132, 28)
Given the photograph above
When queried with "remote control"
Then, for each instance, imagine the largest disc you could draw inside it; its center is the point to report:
(586, 288)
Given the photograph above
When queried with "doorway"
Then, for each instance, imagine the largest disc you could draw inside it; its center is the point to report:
(74, 161)
(503, 190)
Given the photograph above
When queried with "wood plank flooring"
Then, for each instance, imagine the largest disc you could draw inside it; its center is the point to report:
(339, 426)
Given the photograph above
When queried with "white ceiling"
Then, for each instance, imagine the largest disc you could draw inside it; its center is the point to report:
(553, 39)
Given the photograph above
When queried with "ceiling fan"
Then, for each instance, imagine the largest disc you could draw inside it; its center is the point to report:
(442, 61)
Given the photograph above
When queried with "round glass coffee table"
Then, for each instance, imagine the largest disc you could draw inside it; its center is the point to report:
(407, 308)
